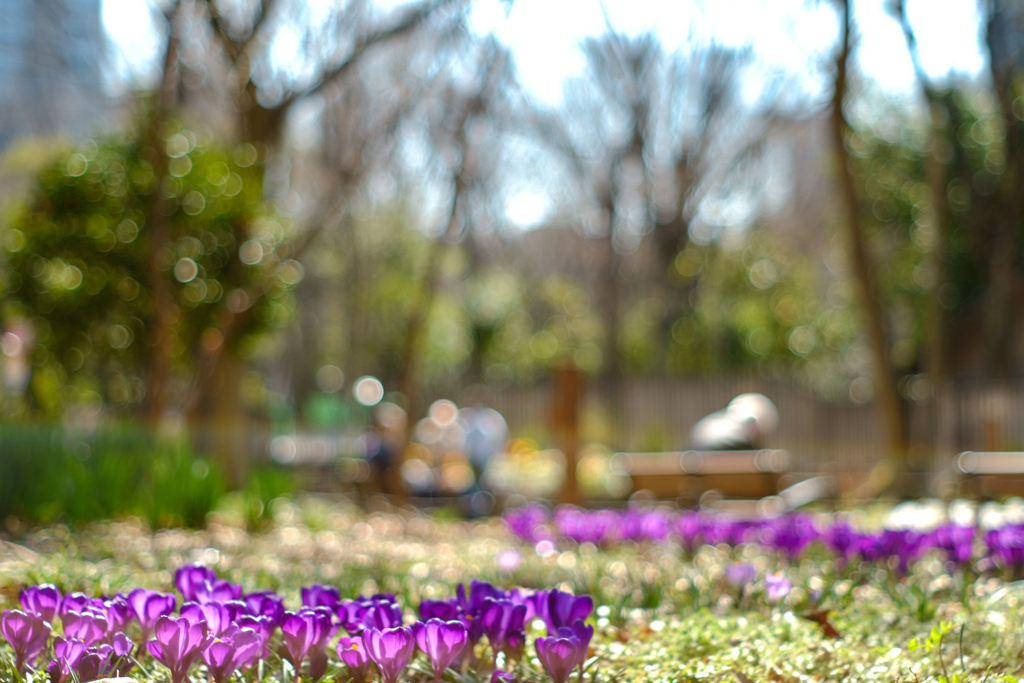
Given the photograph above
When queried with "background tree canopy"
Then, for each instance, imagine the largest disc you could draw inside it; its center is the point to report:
(80, 264)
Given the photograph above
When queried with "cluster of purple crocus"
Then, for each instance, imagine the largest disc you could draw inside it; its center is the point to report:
(788, 535)
(230, 631)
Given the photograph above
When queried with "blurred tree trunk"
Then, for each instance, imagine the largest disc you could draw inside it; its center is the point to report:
(941, 119)
(611, 299)
(1002, 40)
(157, 211)
(891, 407)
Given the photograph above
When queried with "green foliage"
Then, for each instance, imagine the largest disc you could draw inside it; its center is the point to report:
(68, 474)
(82, 263)
(934, 638)
(903, 225)
(557, 326)
(266, 484)
(754, 303)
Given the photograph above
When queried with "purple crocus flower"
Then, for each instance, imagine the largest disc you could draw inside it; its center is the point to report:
(390, 649)
(236, 650)
(903, 544)
(777, 586)
(350, 614)
(717, 530)
(118, 613)
(178, 643)
(121, 659)
(382, 614)
(148, 606)
(740, 575)
(527, 522)
(500, 676)
(508, 560)
(215, 614)
(442, 641)
(581, 632)
(90, 626)
(221, 590)
(445, 610)
(319, 595)
(1006, 547)
(588, 526)
(559, 655)
(192, 579)
(843, 539)
(956, 541)
(305, 634)
(95, 663)
(267, 604)
(688, 528)
(263, 626)
(106, 660)
(77, 602)
(353, 653)
(27, 634)
(472, 600)
(43, 600)
(559, 609)
(789, 535)
(523, 597)
(644, 525)
(501, 618)
(66, 654)
(238, 608)
(200, 584)
(92, 663)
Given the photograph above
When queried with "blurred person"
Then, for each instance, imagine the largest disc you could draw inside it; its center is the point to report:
(486, 433)
(384, 442)
(743, 425)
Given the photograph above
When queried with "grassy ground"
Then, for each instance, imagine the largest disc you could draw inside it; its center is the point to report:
(660, 616)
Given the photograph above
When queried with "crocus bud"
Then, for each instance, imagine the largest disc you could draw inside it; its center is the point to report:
(43, 600)
(178, 644)
(559, 656)
(442, 641)
(564, 608)
(148, 606)
(66, 652)
(777, 586)
(390, 649)
(27, 634)
(190, 581)
(226, 655)
(89, 626)
(500, 619)
(319, 595)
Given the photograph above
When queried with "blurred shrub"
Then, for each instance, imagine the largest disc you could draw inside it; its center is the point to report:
(52, 473)
(103, 247)
(252, 507)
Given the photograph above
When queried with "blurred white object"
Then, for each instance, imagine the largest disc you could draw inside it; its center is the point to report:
(741, 426)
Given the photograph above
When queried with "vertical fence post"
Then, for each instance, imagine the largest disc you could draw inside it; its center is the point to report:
(566, 414)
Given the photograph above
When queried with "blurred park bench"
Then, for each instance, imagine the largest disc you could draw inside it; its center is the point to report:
(990, 474)
(688, 476)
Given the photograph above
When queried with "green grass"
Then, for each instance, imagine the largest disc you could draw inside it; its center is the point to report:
(660, 616)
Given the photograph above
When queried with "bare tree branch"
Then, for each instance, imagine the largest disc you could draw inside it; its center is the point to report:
(410, 21)
(236, 47)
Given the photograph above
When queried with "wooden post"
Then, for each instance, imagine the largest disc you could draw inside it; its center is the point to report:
(566, 413)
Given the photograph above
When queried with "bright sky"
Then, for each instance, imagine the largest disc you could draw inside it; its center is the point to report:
(544, 35)
(794, 36)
